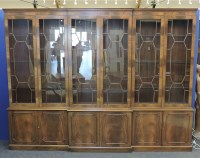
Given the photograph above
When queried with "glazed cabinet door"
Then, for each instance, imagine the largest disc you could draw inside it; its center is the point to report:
(21, 59)
(23, 127)
(83, 129)
(177, 128)
(179, 62)
(147, 57)
(52, 127)
(147, 128)
(115, 129)
(116, 60)
(83, 61)
(52, 56)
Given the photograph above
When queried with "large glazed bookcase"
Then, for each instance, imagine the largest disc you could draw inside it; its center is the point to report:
(101, 79)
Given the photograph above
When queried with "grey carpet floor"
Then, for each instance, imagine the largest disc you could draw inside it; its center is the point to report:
(5, 153)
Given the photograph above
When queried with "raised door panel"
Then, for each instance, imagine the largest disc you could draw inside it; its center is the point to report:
(23, 126)
(177, 128)
(115, 129)
(147, 128)
(53, 127)
(83, 129)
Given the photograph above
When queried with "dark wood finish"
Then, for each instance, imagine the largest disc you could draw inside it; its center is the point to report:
(147, 128)
(51, 116)
(23, 127)
(83, 128)
(115, 129)
(53, 127)
(177, 128)
(38, 127)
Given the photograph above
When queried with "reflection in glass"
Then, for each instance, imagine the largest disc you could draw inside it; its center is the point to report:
(52, 57)
(21, 61)
(147, 60)
(115, 45)
(84, 61)
(178, 61)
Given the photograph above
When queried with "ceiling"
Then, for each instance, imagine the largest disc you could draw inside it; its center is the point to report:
(101, 4)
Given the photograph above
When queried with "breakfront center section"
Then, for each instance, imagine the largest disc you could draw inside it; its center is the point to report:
(99, 60)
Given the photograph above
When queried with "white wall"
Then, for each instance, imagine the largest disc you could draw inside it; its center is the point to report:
(101, 4)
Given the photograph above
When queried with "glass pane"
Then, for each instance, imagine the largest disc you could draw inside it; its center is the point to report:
(52, 57)
(115, 45)
(21, 60)
(84, 61)
(178, 61)
(147, 61)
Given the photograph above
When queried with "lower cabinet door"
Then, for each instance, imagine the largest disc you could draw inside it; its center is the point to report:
(147, 128)
(115, 129)
(53, 127)
(83, 129)
(177, 128)
(23, 127)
